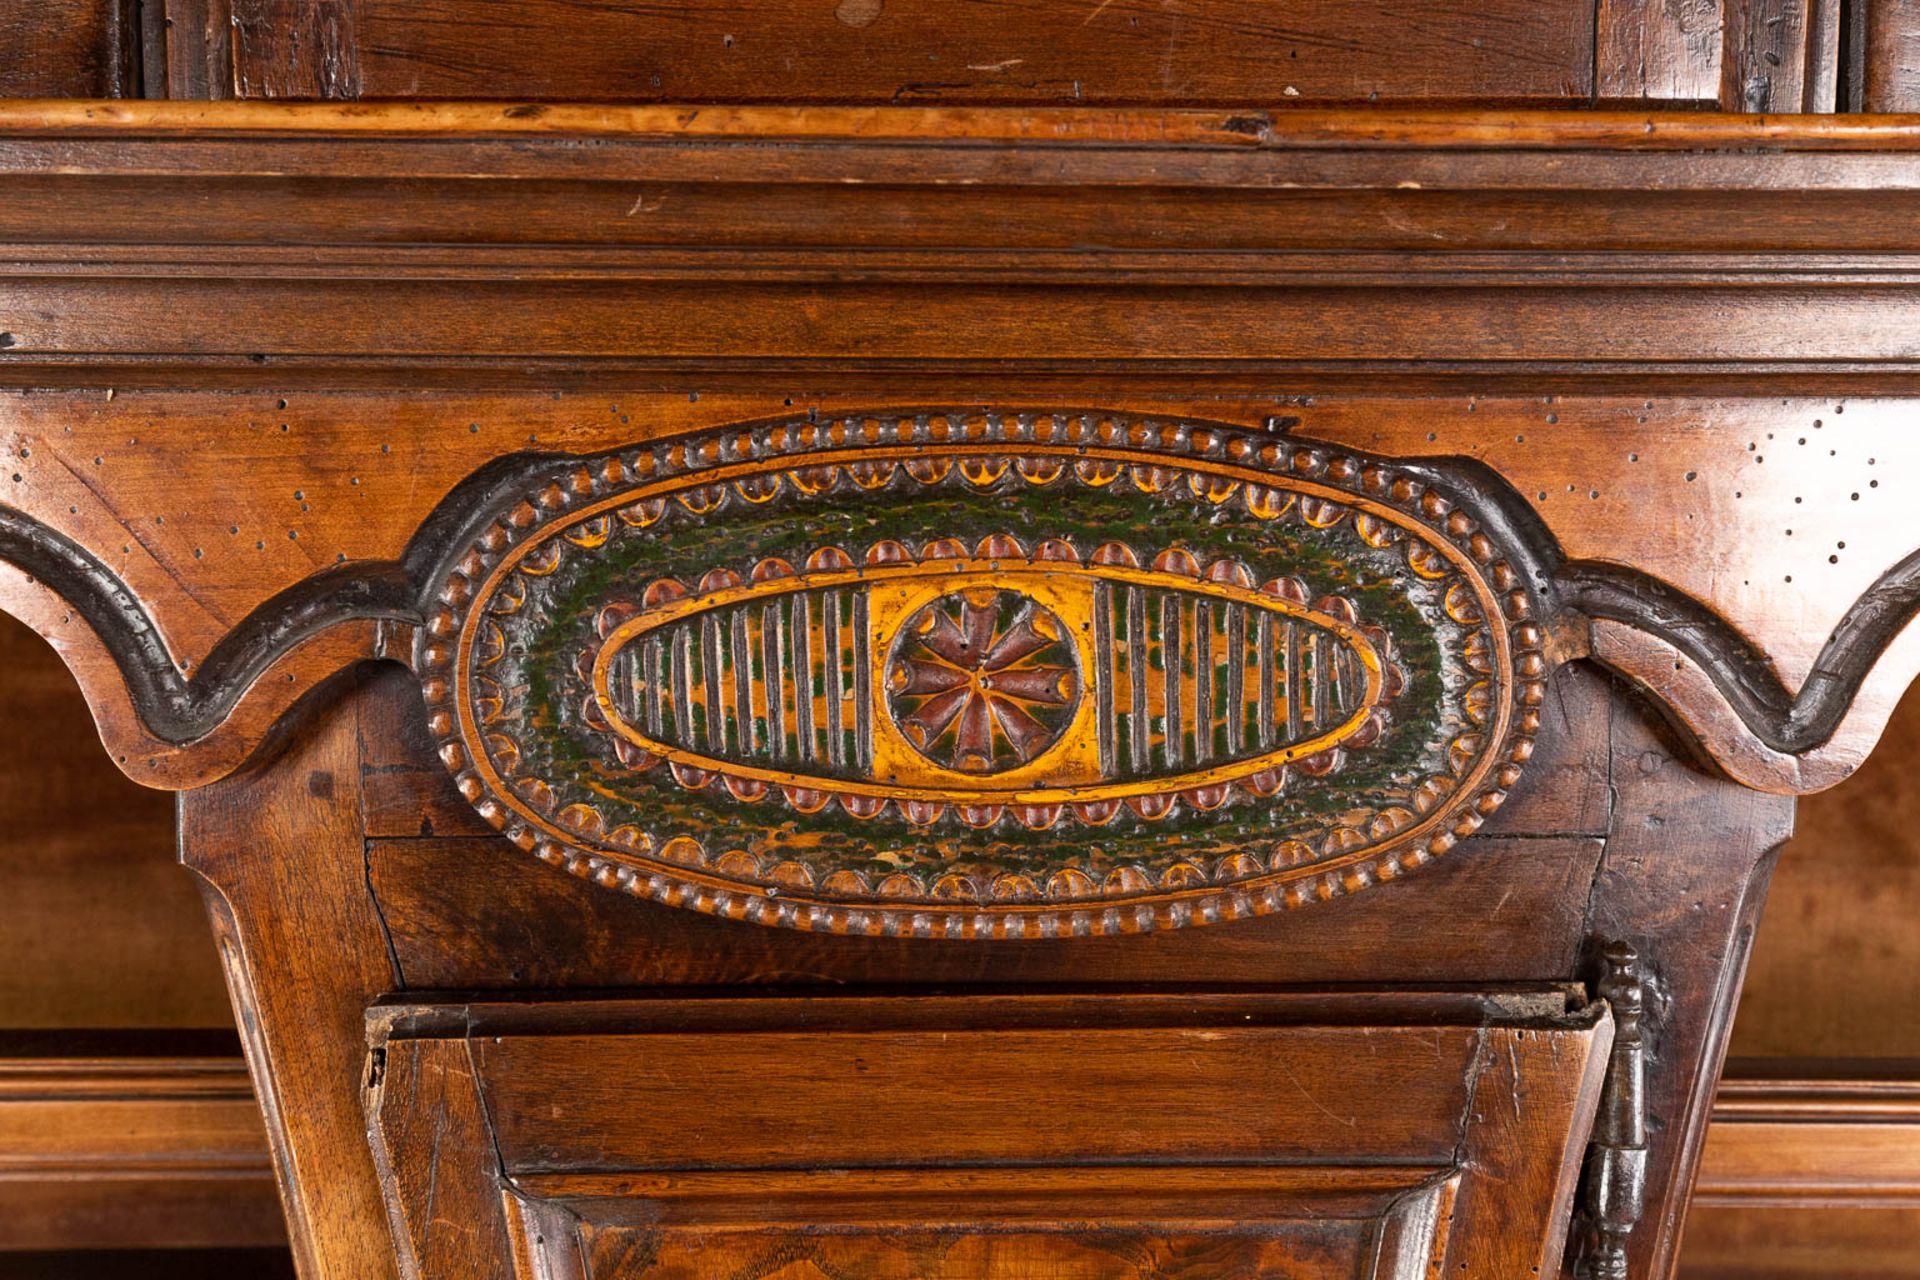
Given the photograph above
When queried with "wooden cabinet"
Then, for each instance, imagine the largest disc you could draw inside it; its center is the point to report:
(894, 640)
(760, 615)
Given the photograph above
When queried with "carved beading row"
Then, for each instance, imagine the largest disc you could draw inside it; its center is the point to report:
(679, 870)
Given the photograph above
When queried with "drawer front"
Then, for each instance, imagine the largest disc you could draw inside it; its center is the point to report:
(987, 1136)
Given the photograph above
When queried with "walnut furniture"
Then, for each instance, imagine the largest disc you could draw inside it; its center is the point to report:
(923, 690)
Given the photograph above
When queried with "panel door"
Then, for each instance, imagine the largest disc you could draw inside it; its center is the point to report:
(987, 1136)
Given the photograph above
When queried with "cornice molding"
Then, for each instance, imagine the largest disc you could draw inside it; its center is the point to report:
(452, 241)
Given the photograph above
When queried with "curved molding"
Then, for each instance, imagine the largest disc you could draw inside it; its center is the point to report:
(178, 708)
(166, 728)
(227, 742)
(172, 728)
(1696, 698)
(1723, 691)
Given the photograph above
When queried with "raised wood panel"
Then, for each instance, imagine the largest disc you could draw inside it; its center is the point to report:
(1756, 55)
(1241, 52)
(639, 1150)
(69, 49)
(1274, 1222)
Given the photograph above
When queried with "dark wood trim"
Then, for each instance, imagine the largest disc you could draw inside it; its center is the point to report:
(175, 708)
(1784, 720)
(1780, 55)
(189, 51)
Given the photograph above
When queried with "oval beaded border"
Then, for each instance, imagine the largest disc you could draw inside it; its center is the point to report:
(1153, 439)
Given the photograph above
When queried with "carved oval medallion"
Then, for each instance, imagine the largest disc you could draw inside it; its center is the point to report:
(1010, 675)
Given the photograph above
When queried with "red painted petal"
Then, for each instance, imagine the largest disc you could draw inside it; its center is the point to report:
(912, 678)
(978, 622)
(1028, 736)
(941, 636)
(1035, 630)
(973, 749)
(931, 718)
(1052, 686)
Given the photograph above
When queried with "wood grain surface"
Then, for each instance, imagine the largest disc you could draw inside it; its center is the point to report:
(1841, 905)
(1756, 55)
(678, 1159)
(1308, 218)
(103, 928)
(1660, 362)
(130, 1141)
(70, 49)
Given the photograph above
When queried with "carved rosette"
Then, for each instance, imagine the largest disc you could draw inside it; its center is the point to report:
(984, 674)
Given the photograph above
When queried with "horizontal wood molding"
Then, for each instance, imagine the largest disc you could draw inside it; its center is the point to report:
(461, 238)
(458, 240)
(1822, 1141)
(124, 1117)
(133, 1152)
(1133, 127)
(186, 1132)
